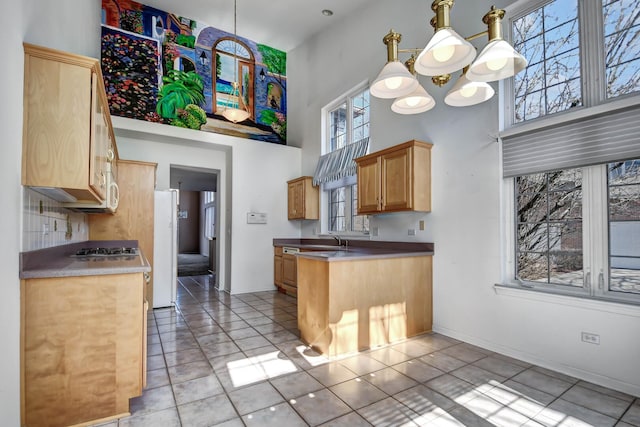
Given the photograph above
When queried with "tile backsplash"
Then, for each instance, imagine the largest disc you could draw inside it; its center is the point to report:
(45, 223)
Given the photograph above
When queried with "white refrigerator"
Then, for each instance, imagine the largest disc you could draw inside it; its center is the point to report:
(165, 248)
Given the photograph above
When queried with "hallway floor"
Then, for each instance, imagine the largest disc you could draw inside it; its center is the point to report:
(192, 265)
(221, 360)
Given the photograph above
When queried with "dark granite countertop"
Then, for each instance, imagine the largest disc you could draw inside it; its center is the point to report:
(59, 262)
(328, 249)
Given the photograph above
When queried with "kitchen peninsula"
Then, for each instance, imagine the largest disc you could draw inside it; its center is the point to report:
(83, 328)
(361, 295)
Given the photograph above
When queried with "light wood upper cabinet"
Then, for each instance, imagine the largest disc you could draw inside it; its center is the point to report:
(395, 179)
(303, 199)
(67, 132)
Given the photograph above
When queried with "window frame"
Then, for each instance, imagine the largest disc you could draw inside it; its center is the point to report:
(595, 215)
(595, 243)
(349, 182)
(592, 70)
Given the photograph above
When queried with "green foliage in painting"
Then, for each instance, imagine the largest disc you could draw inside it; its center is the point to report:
(191, 117)
(179, 90)
(186, 41)
(218, 65)
(277, 121)
(275, 60)
(245, 94)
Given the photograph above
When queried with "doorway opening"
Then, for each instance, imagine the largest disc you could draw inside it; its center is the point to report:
(197, 225)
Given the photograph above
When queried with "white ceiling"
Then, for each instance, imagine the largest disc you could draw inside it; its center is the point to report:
(281, 24)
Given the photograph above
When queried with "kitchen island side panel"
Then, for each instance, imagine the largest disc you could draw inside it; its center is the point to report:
(368, 303)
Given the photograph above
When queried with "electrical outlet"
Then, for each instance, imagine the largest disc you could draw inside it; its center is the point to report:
(45, 229)
(421, 225)
(374, 231)
(591, 338)
(412, 232)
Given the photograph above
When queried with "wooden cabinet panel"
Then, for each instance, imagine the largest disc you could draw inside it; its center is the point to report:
(302, 199)
(369, 185)
(134, 218)
(289, 270)
(277, 270)
(336, 319)
(66, 123)
(395, 179)
(82, 353)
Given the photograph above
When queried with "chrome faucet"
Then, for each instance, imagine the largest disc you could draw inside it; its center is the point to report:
(338, 239)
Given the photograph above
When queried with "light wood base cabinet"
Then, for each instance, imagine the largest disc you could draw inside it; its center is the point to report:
(82, 348)
(348, 306)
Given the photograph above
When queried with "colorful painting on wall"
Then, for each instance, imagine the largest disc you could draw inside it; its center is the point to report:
(169, 69)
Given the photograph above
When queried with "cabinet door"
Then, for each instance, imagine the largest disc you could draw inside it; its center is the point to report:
(100, 141)
(277, 270)
(289, 270)
(145, 310)
(368, 186)
(82, 363)
(57, 114)
(396, 180)
(296, 200)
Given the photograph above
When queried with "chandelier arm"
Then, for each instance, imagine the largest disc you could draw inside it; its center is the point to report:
(412, 50)
(475, 36)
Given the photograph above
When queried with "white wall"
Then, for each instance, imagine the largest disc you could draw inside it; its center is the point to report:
(10, 227)
(252, 178)
(465, 224)
(45, 23)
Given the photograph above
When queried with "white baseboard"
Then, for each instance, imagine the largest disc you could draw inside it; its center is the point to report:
(602, 380)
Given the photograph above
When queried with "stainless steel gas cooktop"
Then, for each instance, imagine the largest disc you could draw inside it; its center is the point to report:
(106, 252)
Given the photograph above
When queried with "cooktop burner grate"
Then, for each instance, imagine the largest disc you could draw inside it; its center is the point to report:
(105, 252)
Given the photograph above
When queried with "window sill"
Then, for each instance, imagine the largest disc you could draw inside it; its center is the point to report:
(579, 301)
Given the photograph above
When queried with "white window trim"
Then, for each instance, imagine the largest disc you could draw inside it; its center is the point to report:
(594, 103)
(325, 132)
(595, 245)
(594, 99)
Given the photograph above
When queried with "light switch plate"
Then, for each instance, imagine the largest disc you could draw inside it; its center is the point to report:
(256, 218)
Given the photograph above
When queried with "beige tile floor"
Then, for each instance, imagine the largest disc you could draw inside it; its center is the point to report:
(221, 360)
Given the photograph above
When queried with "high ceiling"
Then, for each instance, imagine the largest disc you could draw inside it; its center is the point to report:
(281, 24)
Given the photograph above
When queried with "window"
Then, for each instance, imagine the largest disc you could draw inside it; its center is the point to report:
(560, 218)
(580, 53)
(347, 122)
(623, 192)
(549, 227)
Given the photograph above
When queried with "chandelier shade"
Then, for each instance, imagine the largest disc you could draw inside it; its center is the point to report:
(416, 102)
(465, 93)
(234, 113)
(497, 61)
(393, 81)
(445, 53)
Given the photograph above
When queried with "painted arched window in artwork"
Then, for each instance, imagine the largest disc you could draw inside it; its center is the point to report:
(184, 63)
(274, 96)
(234, 62)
